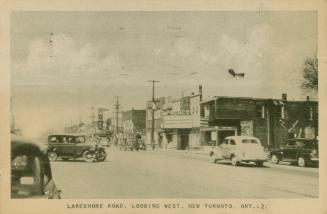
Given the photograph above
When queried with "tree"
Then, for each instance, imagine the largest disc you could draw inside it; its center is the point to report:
(310, 74)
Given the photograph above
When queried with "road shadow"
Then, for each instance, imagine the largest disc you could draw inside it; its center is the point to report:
(309, 165)
(78, 161)
(242, 164)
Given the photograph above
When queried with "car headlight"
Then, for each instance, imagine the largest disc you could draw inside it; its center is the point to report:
(19, 162)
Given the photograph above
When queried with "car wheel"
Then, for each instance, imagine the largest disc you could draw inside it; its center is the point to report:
(274, 159)
(235, 162)
(88, 156)
(65, 159)
(52, 156)
(259, 163)
(102, 156)
(301, 161)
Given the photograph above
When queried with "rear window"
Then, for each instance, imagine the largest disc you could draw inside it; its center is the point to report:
(253, 141)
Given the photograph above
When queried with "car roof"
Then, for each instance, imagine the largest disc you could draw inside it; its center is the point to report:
(241, 137)
(20, 141)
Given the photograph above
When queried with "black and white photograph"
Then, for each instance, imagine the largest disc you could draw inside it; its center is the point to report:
(164, 104)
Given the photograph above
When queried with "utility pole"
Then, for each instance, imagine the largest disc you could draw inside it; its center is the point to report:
(117, 112)
(153, 109)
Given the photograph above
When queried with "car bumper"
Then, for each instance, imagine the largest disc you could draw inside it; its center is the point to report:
(314, 160)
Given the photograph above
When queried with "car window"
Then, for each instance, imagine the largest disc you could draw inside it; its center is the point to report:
(54, 139)
(246, 141)
(232, 142)
(80, 139)
(253, 141)
(291, 144)
(225, 141)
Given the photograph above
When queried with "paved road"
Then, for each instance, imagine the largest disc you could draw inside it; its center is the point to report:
(148, 174)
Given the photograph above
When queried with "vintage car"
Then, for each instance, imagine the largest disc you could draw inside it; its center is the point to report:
(131, 141)
(31, 175)
(298, 150)
(240, 149)
(73, 146)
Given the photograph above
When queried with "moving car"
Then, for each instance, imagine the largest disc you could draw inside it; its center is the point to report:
(240, 149)
(74, 146)
(31, 175)
(298, 150)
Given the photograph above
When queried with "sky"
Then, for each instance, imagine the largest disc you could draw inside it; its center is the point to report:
(63, 63)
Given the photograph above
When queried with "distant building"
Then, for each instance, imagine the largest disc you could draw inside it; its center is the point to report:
(133, 121)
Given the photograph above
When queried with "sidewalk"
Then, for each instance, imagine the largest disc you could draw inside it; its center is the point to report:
(186, 152)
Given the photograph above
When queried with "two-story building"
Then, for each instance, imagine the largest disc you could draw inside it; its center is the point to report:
(177, 126)
(271, 120)
(133, 121)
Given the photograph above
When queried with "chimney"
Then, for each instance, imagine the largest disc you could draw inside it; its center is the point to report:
(284, 96)
(308, 98)
(200, 92)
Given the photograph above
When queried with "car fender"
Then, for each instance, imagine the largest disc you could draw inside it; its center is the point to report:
(304, 154)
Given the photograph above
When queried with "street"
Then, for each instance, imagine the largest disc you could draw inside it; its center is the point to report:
(154, 174)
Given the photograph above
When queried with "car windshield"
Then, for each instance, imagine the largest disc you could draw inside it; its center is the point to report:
(253, 141)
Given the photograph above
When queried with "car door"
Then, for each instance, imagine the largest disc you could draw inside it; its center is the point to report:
(224, 148)
(68, 146)
(232, 147)
(289, 152)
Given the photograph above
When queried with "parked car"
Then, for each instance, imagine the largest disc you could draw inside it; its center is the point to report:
(74, 146)
(240, 149)
(298, 150)
(31, 175)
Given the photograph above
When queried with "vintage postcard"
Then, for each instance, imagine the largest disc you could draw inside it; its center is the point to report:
(155, 107)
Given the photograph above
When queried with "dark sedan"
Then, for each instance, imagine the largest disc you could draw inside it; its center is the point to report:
(298, 150)
(31, 175)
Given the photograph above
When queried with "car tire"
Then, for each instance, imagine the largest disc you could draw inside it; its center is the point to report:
(301, 162)
(52, 155)
(259, 163)
(102, 156)
(88, 156)
(274, 159)
(235, 162)
(65, 159)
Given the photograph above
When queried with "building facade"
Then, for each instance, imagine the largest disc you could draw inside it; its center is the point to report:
(177, 122)
(271, 120)
(133, 121)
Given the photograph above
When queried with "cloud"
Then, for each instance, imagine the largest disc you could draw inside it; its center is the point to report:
(184, 47)
(61, 56)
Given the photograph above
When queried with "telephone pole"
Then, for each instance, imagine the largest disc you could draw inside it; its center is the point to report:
(117, 105)
(153, 109)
